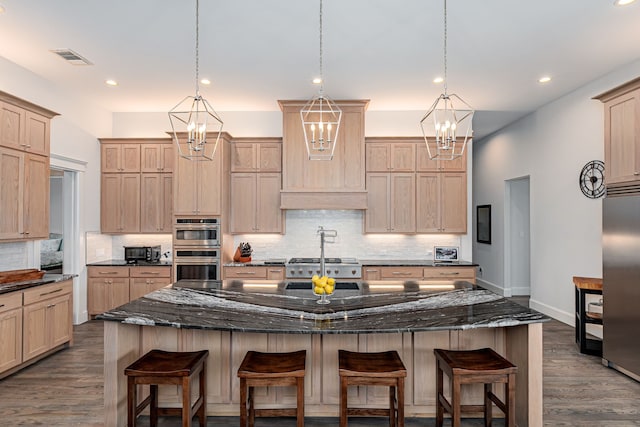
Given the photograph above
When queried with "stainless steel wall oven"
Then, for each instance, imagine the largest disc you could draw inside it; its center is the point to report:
(196, 263)
(196, 232)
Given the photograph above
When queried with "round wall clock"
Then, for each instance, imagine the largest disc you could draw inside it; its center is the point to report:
(592, 179)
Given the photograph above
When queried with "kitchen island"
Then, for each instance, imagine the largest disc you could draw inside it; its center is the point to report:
(412, 317)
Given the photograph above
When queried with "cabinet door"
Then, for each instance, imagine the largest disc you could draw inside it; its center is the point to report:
(37, 133)
(403, 157)
(105, 294)
(59, 317)
(130, 197)
(140, 287)
(184, 186)
(11, 194)
(35, 336)
(10, 330)
(377, 217)
(371, 273)
(243, 203)
(167, 158)
(428, 202)
(36, 197)
(120, 157)
(377, 157)
(401, 273)
(12, 124)
(403, 203)
(110, 203)
(425, 164)
(209, 184)
(622, 138)
(453, 199)
(151, 158)
(244, 157)
(275, 273)
(110, 157)
(269, 215)
(155, 202)
(269, 157)
(249, 272)
(120, 203)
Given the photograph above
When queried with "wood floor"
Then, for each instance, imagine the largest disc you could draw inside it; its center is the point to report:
(66, 390)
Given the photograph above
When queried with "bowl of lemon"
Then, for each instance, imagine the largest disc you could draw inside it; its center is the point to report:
(323, 286)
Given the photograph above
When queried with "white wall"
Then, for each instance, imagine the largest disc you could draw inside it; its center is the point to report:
(551, 146)
(73, 136)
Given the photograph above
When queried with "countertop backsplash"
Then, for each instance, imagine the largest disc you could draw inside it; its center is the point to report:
(301, 239)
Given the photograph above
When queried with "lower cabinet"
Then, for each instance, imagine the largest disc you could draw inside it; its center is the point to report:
(34, 322)
(466, 273)
(110, 287)
(268, 272)
(10, 330)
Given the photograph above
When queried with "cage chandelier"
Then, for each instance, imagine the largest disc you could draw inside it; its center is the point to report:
(449, 119)
(195, 125)
(321, 118)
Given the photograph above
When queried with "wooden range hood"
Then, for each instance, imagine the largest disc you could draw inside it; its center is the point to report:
(319, 184)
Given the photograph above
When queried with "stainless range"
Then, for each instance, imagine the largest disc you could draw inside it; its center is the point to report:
(338, 268)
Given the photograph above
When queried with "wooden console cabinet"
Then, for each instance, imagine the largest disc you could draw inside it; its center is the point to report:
(34, 323)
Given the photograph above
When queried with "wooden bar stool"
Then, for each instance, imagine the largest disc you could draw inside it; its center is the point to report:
(373, 369)
(474, 366)
(271, 369)
(165, 367)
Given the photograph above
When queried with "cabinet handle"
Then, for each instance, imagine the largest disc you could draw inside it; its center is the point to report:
(450, 274)
(1, 305)
(401, 273)
(636, 173)
(275, 271)
(155, 273)
(108, 272)
(51, 305)
(371, 271)
(245, 272)
(51, 292)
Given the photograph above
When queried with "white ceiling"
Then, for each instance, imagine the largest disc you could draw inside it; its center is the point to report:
(258, 51)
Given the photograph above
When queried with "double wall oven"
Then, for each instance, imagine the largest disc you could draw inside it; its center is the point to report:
(196, 249)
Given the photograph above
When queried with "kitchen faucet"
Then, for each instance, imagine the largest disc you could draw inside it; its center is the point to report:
(324, 234)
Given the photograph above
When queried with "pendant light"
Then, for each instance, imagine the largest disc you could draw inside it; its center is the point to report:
(321, 119)
(449, 119)
(194, 120)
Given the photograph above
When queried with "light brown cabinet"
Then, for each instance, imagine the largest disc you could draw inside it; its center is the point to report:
(439, 273)
(201, 187)
(156, 200)
(425, 164)
(146, 279)
(10, 330)
(137, 185)
(111, 286)
(24, 195)
(256, 155)
(47, 318)
(24, 169)
(120, 157)
(441, 202)
(390, 157)
(33, 323)
(336, 184)
(120, 203)
(622, 133)
(268, 272)
(391, 203)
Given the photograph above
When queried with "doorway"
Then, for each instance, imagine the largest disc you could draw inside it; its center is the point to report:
(517, 261)
(52, 249)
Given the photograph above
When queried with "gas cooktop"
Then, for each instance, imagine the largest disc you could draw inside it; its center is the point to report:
(326, 261)
(338, 268)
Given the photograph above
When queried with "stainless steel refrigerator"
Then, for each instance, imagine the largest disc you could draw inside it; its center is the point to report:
(621, 281)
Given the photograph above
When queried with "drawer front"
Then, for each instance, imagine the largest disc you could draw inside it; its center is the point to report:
(401, 272)
(245, 272)
(45, 292)
(449, 273)
(108, 271)
(157, 283)
(10, 301)
(150, 271)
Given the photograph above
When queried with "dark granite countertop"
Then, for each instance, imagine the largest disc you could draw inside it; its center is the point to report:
(377, 307)
(414, 263)
(123, 263)
(5, 288)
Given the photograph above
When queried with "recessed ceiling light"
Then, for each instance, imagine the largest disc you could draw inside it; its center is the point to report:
(205, 81)
(317, 81)
(438, 80)
(622, 2)
(544, 79)
(111, 82)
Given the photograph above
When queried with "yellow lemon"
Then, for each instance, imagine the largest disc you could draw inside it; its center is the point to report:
(323, 281)
(331, 281)
(318, 290)
(314, 278)
(328, 289)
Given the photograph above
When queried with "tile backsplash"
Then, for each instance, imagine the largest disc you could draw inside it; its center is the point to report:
(102, 247)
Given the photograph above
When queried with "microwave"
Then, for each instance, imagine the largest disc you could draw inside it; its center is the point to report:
(196, 232)
(134, 254)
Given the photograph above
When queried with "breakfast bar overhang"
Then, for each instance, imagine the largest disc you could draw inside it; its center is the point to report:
(232, 317)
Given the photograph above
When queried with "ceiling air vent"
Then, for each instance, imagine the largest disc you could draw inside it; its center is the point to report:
(71, 57)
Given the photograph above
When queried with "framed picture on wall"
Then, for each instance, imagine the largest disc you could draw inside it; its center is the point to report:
(483, 224)
(445, 254)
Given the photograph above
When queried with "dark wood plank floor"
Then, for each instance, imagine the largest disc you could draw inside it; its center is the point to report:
(66, 390)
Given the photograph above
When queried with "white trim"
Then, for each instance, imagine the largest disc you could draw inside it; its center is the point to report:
(67, 163)
(493, 287)
(520, 291)
(560, 315)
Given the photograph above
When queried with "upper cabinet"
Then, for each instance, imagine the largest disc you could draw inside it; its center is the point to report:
(318, 184)
(256, 155)
(385, 157)
(137, 185)
(425, 164)
(622, 133)
(24, 169)
(201, 187)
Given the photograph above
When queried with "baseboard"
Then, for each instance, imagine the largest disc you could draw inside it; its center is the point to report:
(520, 291)
(560, 315)
(492, 287)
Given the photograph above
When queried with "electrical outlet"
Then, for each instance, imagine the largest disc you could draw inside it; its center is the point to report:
(479, 271)
(430, 253)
